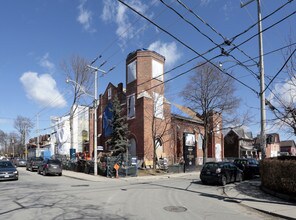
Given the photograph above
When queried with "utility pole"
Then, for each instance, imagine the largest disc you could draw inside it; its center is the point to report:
(26, 147)
(12, 143)
(96, 118)
(262, 83)
(38, 147)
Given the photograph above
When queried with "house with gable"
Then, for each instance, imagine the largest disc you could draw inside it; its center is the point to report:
(288, 147)
(272, 144)
(238, 144)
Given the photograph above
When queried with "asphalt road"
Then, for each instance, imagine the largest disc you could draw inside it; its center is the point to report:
(35, 196)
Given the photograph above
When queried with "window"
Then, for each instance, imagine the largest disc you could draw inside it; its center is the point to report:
(133, 147)
(159, 148)
(131, 106)
(158, 105)
(157, 70)
(199, 142)
(218, 129)
(109, 93)
(131, 71)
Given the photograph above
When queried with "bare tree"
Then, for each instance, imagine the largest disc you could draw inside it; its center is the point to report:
(282, 101)
(210, 93)
(158, 115)
(23, 125)
(3, 140)
(79, 75)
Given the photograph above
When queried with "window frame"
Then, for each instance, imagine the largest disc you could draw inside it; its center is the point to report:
(131, 106)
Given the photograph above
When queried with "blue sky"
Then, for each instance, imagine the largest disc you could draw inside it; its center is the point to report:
(36, 36)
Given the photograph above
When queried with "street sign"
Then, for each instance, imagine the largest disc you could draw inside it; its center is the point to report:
(116, 167)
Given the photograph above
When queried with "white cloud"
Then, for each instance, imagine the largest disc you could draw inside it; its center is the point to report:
(44, 62)
(168, 50)
(85, 17)
(227, 9)
(117, 13)
(204, 2)
(286, 92)
(42, 89)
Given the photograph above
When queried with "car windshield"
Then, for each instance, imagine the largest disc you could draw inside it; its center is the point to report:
(211, 166)
(253, 162)
(240, 161)
(37, 159)
(6, 164)
(54, 161)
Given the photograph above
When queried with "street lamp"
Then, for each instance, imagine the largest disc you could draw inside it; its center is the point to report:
(238, 63)
(81, 87)
(96, 70)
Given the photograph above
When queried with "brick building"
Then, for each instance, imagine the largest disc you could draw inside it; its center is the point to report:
(149, 116)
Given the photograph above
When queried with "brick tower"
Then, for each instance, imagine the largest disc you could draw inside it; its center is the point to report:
(148, 113)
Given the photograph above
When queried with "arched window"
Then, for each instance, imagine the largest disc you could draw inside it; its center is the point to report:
(133, 147)
(159, 147)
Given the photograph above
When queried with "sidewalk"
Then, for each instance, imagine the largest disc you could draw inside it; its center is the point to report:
(246, 193)
(98, 178)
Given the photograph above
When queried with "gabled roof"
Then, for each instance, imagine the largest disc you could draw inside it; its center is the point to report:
(242, 134)
(180, 117)
(287, 143)
(188, 111)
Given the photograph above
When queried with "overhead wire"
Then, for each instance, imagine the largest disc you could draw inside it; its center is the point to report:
(236, 64)
(187, 46)
(256, 23)
(185, 63)
(279, 70)
(226, 41)
(218, 45)
(269, 27)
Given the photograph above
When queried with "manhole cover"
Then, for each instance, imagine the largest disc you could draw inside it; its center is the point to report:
(175, 209)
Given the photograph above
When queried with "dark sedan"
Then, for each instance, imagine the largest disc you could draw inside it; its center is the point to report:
(8, 171)
(33, 163)
(50, 166)
(249, 166)
(220, 172)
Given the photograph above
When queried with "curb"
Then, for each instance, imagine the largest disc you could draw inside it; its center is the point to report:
(283, 196)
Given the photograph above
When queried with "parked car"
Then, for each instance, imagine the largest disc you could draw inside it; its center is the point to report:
(220, 172)
(19, 162)
(50, 166)
(33, 163)
(8, 171)
(249, 166)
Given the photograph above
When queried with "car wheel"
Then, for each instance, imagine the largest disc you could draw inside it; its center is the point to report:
(239, 177)
(60, 174)
(223, 180)
(203, 182)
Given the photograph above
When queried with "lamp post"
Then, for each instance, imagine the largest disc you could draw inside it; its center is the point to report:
(95, 108)
(12, 143)
(96, 70)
